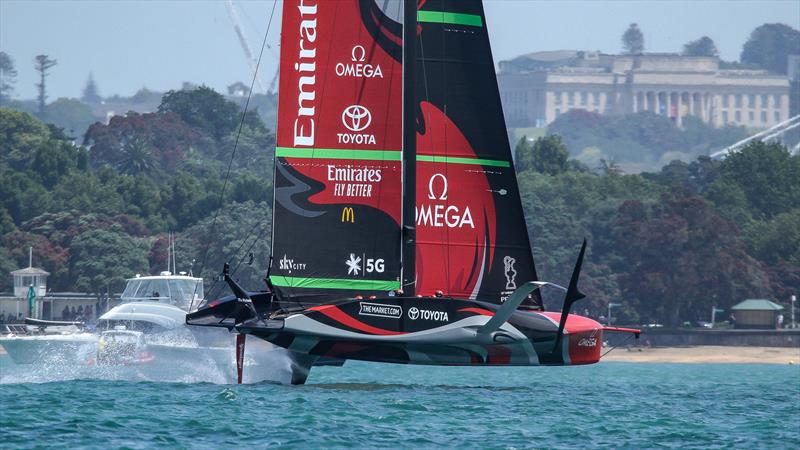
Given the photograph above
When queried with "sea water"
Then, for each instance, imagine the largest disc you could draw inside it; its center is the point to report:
(365, 405)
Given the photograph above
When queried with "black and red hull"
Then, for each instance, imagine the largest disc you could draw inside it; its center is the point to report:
(427, 330)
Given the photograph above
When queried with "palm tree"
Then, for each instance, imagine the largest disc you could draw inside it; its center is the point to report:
(137, 157)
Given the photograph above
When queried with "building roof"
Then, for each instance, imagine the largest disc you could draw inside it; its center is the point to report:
(29, 271)
(757, 304)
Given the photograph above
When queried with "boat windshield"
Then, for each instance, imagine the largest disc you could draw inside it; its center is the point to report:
(178, 292)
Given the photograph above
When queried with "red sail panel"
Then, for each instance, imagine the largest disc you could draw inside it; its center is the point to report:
(339, 138)
(455, 213)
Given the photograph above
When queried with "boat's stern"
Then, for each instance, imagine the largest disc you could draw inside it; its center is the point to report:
(582, 340)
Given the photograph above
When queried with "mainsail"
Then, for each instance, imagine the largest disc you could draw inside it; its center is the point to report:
(339, 202)
(470, 230)
(337, 216)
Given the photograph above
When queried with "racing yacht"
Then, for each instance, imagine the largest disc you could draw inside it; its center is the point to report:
(398, 232)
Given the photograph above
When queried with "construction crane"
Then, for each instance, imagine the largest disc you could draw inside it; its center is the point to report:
(251, 61)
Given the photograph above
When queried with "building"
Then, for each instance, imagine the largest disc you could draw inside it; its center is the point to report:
(538, 87)
(14, 306)
(757, 313)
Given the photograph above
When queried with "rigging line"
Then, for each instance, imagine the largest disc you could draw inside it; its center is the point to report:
(235, 145)
(614, 347)
(236, 252)
(247, 251)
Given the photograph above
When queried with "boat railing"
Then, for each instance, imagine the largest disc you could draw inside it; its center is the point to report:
(160, 299)
(14, 328)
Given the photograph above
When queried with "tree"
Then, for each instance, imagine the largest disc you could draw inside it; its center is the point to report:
(700, 47)
(137, 157)
(683, 258)
(48, 254)
(101, 260)
(8, 77)
(90, 92)
(768, 175)
(204, 109)
(770, 45)
(633, 40)
(43, 63)
(522, 154)
(240, 229)
(168, 137)
(549, 155)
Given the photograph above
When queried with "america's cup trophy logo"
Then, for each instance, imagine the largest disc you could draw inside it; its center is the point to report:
(511, 273)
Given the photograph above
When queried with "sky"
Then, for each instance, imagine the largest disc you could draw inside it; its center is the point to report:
(159, 44)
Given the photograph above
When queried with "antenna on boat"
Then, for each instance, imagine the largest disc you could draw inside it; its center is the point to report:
(169, 250)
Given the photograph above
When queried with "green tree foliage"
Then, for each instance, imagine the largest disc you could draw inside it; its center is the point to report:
(547, 155)
(770, 45)
(684, 258)
(643, 138)
(8, 77)
(163, 138)
(101, 260)
(768, 175)
(522, 154)
(204, 109)
(51, 256)
(633, 40)
(701, 47)
(43, 63)
(137, 157)
(777, 240)
(240, 229)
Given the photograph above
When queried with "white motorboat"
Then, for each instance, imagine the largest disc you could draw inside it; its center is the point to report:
(153, 308)
(155, 305)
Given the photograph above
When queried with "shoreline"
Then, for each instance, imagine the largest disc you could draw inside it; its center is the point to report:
(713, 354)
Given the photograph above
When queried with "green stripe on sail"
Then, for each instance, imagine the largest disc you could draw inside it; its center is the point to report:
(473, 20)
(456, 160)
(338, 153)
(335, 283)
(378, 155)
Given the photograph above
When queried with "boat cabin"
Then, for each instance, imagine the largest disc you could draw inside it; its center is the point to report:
(181, 290)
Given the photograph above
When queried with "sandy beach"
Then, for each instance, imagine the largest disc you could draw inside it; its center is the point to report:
(707, 354)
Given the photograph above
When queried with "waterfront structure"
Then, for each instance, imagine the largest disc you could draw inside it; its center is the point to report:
(538, 87)
(14, 305)
(756, 313)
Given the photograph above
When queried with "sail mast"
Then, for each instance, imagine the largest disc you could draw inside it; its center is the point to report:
(409, 147)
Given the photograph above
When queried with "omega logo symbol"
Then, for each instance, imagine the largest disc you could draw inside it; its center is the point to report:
(358, 54)
(356, 118)
(431, 183)
(413, 313)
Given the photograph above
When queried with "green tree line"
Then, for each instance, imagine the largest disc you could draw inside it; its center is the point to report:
(667, 245)
(98, 213)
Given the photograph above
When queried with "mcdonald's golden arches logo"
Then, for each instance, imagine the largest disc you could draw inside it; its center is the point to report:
(348, 215)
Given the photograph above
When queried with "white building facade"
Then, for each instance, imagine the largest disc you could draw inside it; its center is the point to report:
(538, 87)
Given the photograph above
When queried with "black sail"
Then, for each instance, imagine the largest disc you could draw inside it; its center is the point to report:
(471, 238)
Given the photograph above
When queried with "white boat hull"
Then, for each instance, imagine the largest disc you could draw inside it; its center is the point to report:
(70, 348)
